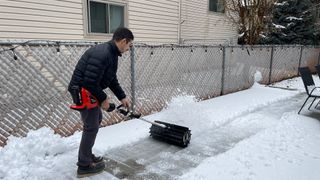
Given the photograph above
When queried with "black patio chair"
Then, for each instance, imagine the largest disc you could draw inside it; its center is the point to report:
(318, 69)
(309, 85)
(318, 72)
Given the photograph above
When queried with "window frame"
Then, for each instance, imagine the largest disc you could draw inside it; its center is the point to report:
(86, 16)
(216, 12)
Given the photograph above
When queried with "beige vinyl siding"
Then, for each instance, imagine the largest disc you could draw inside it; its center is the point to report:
(200, 23)
(154, 20)
(151, 21)
(45, 19)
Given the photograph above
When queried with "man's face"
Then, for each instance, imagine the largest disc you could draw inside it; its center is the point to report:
(124, 45)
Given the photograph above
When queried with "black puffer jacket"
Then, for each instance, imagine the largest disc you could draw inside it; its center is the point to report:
(96, 70)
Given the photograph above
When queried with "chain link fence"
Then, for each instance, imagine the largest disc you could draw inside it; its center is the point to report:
(34, 78)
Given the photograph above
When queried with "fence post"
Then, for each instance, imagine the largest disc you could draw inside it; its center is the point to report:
(133, 79)
(223, 69)
(271, 63)
(300, 59)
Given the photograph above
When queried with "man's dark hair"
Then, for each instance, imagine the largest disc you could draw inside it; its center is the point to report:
(122, 33)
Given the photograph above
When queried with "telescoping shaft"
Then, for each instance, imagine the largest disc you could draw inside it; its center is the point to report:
(151, 122)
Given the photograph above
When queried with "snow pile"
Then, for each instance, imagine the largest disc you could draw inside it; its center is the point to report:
(296, 83)
(38, 155)
(257, 76)
(218, 111)
(289, 151)
(181, 101)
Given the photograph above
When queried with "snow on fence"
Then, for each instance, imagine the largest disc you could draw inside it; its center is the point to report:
(34, 76)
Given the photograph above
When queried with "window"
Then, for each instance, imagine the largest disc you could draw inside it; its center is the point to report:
(104, 17)
(216, 5)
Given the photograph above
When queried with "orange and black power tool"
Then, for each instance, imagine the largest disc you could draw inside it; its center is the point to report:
(83, 99)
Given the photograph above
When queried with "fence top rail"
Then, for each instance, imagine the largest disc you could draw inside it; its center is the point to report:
(138, 44)
(47, 42)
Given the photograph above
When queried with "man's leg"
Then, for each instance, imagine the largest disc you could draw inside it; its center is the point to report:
(91, 121)
(98, 159)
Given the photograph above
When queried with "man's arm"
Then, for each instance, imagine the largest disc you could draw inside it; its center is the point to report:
(116, 89)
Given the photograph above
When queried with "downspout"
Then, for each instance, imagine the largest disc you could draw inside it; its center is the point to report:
(179, 23)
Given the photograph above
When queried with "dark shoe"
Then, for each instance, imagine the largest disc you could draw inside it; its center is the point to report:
(92, 169)
(97, 159)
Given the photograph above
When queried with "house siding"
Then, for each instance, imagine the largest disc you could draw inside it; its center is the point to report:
(150, 20)
(45, 19)
(154, 21)
(200, 24)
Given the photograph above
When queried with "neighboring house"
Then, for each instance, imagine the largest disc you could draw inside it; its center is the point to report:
(165, 21)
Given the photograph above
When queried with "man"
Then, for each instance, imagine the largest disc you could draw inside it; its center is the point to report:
(95, 71)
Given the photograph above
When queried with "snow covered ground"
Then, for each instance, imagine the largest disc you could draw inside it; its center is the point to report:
(251, 134)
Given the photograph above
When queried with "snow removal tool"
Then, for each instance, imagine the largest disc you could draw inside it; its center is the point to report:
(83, 99)
(163, 131)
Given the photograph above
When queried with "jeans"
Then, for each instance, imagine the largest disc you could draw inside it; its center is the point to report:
(91, 119)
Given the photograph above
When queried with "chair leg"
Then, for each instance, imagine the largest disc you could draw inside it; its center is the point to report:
(303, 104)
(317, 104)
(311, 103)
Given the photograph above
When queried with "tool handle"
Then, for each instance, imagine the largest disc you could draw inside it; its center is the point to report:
(75, 94)
(130, 114)
(111, 108)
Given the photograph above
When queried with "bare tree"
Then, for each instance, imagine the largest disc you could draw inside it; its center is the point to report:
(251, 16)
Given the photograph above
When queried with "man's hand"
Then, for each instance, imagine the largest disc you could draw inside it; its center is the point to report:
(105, 104)
(125, 102)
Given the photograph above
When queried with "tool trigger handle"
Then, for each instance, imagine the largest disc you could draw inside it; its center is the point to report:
(111, 108)
(127, 113)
